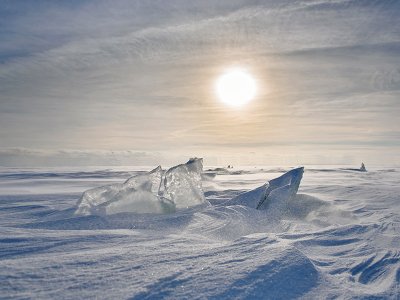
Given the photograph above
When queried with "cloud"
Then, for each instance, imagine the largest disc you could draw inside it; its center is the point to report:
(151, 32)
(43, 157)
(139, 75)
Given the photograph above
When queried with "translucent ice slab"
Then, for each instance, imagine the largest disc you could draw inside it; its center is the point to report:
(144, 193)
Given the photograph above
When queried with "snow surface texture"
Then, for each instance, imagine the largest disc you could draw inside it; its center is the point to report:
(338, 237)
(144, 193)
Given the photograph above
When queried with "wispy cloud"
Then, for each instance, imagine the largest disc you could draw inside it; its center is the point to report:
(95, 75)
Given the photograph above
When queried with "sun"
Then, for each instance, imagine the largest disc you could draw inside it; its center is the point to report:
(236, 87)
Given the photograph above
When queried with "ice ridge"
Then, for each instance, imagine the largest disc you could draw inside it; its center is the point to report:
(278, 190)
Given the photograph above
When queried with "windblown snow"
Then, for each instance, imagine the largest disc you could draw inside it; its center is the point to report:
(265, 233)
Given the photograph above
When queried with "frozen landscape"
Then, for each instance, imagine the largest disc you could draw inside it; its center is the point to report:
(155, 235)
(283, 99)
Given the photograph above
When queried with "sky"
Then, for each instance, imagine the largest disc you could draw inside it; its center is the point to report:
(133, 82)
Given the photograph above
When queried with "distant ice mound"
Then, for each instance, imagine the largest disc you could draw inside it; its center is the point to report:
(277, 191)
(152, 192)
(361, 169)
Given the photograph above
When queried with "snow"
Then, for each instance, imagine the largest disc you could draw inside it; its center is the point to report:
(337, 237)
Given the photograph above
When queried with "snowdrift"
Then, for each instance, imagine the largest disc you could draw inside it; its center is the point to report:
(337, 237)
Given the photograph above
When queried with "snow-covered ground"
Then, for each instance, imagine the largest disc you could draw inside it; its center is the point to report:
(340, 237)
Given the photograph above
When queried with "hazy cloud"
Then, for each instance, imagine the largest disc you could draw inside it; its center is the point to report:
(101, 76)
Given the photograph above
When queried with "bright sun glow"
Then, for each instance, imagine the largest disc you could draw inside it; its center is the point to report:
(236, 87)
